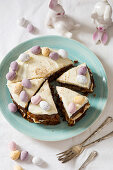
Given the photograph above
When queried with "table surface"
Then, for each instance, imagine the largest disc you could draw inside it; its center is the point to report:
(10, 36)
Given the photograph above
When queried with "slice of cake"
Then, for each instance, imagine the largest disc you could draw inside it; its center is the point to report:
(40, 63)
(72, 104)
(21, 92)
(42, 108)
(78, 78)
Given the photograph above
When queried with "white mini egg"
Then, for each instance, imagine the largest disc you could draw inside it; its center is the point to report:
(37, 161)
(44, 105)
(63, 53)
(81, 79)
(22, 21)
(24, 57)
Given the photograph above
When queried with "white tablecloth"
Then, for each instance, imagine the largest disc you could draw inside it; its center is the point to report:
(10, 36)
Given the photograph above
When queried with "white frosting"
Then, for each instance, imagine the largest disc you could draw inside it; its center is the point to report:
(45, 65)
(67, 96)
(46, 95)
(36, 83)
(70, 77)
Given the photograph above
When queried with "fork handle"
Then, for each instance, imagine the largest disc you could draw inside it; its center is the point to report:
(100, 139)
(106, 122)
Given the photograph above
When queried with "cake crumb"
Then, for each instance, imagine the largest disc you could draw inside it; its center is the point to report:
(75, 61)
(94, 95)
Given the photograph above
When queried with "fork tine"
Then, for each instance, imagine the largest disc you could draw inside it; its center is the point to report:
(63, 152)
(64, 156)
(66, 159)
(67, 153)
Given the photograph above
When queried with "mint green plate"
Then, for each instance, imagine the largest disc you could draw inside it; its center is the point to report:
(62, 131)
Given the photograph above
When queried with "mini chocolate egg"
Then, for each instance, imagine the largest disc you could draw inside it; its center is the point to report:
(54, 55)
(63, 53)
(24, 96)
(10, 75)
(12, 107)
(81, 79)
(82, 70)
(12, 146)
(24, 57)
(18, 88)
(72, 108)
(45, 51)
(36, 99)
(30, 28)
(14, 155)
(26, 83)
(14, 65)
(79, 100)
(37, 161)
(18, 167)
(22, 21)
(36, 50)
(23, 155)
(44, 105)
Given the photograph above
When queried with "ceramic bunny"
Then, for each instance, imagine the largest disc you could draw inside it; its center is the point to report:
(101, 16)
(57, 19)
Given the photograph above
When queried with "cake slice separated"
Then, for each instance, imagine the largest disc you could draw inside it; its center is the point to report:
(16, 89)
(44, 111)
(72, 104)
(78, 78)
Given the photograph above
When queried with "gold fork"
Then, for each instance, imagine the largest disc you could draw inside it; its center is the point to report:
(76, 150)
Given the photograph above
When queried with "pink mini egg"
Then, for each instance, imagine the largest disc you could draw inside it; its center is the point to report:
(36, 50)
(71, 108)
(54, 55)
(12, 146)
(14, 65)
(10, 75)
(24, 96)
(36, 99)
(26, 83)
(23, 155)
(30, 28)
(12, 107)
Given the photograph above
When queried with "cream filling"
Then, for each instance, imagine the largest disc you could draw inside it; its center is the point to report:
(67, 96)
(70, 77)
(46, 95)
(45, 65)
(36, 83)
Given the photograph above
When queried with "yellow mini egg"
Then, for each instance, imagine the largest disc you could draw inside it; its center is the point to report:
(14, 155)
(18, 88)
(18, 167)
(45, 51)
(79, 100)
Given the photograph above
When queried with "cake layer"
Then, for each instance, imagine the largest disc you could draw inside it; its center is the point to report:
(71, 79)
(39, 66)
(36, 83)
(67, 97)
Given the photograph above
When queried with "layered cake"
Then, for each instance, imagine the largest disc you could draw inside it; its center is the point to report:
(44, 111)
(29, 79)
(78, 78)
(72, 104)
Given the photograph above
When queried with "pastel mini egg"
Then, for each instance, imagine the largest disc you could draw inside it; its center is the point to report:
(22, 21)
(23, 155)
(81, 79)
(24, 96)
(30, 28)
(37, 161)
(72, 108)
(44, 105)
(24, 57)
(45, 51)
(26, 83)
(14, 155)
(82, 70)
(12, 146)
(18, 88)
(18, 167)
(14, 65)
(54, 55)
(36, 99)
(12, 107)
(79, 100)
(36, 50)
(10, 75)
(63, 53)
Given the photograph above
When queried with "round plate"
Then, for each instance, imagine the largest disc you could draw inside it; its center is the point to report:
(61, 131)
